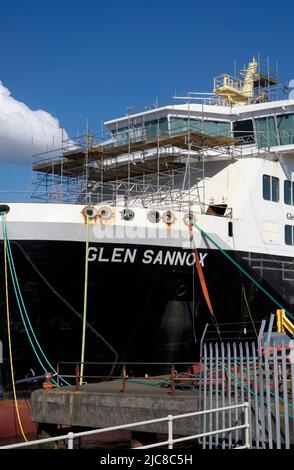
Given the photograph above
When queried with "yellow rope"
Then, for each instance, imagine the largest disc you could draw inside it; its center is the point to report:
(85, 302)
(9, 344)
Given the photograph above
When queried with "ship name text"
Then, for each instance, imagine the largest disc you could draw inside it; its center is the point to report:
(132, 255)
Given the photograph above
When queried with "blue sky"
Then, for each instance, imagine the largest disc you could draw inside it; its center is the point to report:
(92, 59)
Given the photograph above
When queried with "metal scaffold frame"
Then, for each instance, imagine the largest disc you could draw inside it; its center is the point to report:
(162, 161)
(163, 170)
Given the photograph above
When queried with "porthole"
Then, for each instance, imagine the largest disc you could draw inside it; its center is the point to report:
(4, 209)
(189, 218)
(127, 214)
(168, 217)
(90, 212)
(105, 213)
(153, 216)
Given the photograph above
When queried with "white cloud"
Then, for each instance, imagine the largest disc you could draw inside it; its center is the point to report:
(23, 131)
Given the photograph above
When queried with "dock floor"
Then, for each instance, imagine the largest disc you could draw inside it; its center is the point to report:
(103, 404)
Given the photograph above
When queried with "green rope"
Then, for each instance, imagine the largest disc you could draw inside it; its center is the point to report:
(144, 382)
(252, 393)
(204, 234)
(21, 304)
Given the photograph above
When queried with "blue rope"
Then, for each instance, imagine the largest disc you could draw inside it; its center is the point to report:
(20, 301)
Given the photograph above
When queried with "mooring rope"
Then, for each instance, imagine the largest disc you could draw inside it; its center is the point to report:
(21, 305)
(256, 283)
(85, 301)
(10, 344)
(203, 283)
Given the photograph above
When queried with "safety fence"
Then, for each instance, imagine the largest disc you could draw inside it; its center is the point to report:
(244, 427)
(258, 372)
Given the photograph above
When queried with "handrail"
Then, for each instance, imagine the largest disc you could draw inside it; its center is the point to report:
(172, 378)
(170, 419)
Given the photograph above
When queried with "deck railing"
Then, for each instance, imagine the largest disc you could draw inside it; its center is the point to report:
(69, 438)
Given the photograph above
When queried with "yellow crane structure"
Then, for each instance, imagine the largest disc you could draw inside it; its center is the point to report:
(236, 91)
(284, 325)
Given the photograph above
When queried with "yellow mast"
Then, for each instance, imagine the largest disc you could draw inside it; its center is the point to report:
(236, 91)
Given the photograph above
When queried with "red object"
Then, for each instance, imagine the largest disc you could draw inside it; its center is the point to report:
(201, 276)
(8, 419)
(278, 349)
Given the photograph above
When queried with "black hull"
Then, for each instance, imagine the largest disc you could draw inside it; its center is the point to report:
(137, 310)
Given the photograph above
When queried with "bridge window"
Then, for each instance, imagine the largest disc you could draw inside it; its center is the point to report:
(243, 130)
(266, 132)
(289, 232)
(184, 124)
(289, 193)
(136, 132)
(270, 188)
(156, 128)
(286, 128)
(216, 128)
(207, 127)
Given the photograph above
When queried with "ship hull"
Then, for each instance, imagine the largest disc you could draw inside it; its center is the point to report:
(144, 304)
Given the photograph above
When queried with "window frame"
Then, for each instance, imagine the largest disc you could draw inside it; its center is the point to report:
(274, 189)
(291, 227)
(291, 183)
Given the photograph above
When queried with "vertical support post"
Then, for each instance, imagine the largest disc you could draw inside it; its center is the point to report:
(87, 161)
(170, 432)
(291, 380)
(77, 377)
(173, 387)
(223, 394)
(71, 436)
(248, 392)
(236, 389)
(247, 437)
(205, 393)
(202, 340)
(211, 391)
(285, 396)
(229, 392)
(262, 384)
(277, 397)
(267, 359)
(57, 374)
(257, 387)
(124, 377)
(280, 321)
(216, 393)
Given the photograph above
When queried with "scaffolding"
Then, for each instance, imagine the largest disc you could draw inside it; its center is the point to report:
(167, 170)
(164, 166)
(135, 164)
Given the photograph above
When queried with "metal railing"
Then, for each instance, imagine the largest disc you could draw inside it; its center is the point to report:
(259, 371)
(169, 419)
(171, 380)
